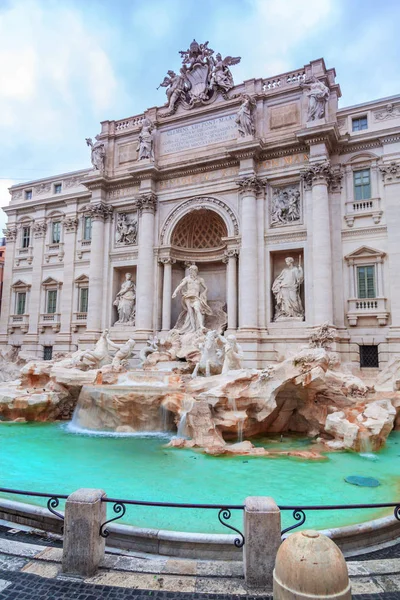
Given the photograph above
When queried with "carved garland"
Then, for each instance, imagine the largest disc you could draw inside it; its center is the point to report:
(147, 203)
(100, 211)
(202, 201)
(10, 233)
(390, 172)
(252, 184)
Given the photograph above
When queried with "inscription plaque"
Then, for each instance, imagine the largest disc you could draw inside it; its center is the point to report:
(199, 134)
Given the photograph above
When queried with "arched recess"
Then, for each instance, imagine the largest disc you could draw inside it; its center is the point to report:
(196, 204)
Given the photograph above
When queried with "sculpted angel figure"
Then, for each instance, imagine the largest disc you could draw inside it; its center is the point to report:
(98, 153)
(175, 85)
(318, 94)
(125, 301)
(146, 141)
(221, 75)
(286, 289)
(244, 117)
(194, 301)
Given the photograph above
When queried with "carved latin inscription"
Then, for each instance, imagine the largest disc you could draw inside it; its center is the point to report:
(199, 134)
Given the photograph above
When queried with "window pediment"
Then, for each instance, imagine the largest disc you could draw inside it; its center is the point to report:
(365, 252)
(20, 285)
(51, 282)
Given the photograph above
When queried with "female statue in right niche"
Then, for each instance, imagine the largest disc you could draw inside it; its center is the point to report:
(286, 289)
(125, 301)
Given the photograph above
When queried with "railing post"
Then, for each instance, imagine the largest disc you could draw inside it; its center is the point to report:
(262, 525)
(83, 547)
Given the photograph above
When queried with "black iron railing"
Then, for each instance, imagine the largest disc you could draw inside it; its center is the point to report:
(224, 513)
(224, 510)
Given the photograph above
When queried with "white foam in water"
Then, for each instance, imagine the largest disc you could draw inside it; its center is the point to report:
(75, 429)
(369, 455)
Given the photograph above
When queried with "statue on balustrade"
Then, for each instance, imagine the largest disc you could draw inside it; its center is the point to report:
(98, 154)
(126, 302)
(146, 141)
(286, 289)
(194, 302)
(318, 94)
(244, 118)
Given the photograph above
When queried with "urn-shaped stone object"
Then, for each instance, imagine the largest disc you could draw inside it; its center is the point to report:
(310, 565)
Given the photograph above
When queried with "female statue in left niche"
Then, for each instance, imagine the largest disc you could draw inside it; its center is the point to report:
(126, 301)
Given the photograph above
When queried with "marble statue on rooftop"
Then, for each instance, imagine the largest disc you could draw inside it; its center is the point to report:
(233, 353)
(194, 301)
(286, 289)
(98, 154)
(146, 141)
(245, 118)
(318, 94)
(126, 301)
(175, 85)
(221, 74)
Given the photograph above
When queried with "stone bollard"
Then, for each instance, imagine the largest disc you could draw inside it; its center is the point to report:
(83, 547)
(308, 566)
(262, 530)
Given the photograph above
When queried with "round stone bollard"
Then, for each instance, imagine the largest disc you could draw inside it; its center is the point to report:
(310, 565)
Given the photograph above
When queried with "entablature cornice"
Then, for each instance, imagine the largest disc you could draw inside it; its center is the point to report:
(321, 134)
(45, 202)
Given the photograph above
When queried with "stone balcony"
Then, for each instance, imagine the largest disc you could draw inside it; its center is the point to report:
(24, 254)
(78, 320)
(83, 247)
(54, 250)
(363, 208)
(18, 322)
(367, 307)
(52, 320)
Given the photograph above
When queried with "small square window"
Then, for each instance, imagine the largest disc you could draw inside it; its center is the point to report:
(369, 357)
(360, 123)
(47, 352)
(28, 194)
(57, 188)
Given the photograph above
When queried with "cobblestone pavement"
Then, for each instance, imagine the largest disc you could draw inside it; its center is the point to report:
(384, 553)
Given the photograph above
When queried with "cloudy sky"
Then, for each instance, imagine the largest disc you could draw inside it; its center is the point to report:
(65, 65)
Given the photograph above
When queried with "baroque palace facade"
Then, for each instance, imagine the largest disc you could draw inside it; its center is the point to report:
(235, 179)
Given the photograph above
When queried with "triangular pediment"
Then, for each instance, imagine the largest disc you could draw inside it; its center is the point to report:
(365, 252)
(20, 284)
(82, 279)
(51, 281)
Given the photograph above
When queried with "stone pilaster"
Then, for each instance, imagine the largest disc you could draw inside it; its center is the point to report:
(230, 258)
(320, 177)
(70, 226)
(99, 213)
(10, 233)
(36, 299)
(167, 292)
(147, 205)
(249, 187)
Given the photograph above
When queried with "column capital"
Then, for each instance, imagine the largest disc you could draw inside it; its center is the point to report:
(70, 224)
(39, 229)
(147, 202)
(166, 260)
(230, 253)
(322, 172)
(10, 233)
(391, 172)
(251, 183)
(100, 211)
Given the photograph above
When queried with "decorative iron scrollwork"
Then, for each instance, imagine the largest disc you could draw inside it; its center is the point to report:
(120, 509)
(225, 513)
(397, 512)
(298, 515)
(53, 503)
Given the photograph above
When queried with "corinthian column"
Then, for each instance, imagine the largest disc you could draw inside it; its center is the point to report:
(230, 258)
(99, 214)
(167, 293)
(147, 204)
(319, 177)
(248, 263)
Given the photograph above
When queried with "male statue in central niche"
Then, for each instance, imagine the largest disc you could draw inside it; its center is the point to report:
(286, 289)
(194, 301)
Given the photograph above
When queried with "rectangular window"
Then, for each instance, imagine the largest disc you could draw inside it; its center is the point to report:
(51, 301)
(47, 352)
(87, 228)
(56, 232)
(362, 184)
(57, 188)
(360, 123)
(369, 357)
(366, 281)
(83, 300)
(21, 303)
(28, 194)
(26, 237)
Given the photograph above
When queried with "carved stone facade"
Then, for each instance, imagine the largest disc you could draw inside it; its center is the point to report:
(288, 206)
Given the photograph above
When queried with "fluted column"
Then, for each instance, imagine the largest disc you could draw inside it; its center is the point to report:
(11, 236)
(167, 293)
(230, 258)
(249, 187)
(99, 213)
(147, 204)
(319, 177)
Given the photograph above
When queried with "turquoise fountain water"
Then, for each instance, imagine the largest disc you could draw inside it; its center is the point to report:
(49, 458)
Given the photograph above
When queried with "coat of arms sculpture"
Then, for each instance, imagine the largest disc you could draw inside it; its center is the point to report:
(200, 78)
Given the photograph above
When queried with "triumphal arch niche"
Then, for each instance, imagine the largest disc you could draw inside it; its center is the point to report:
(203, 232)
